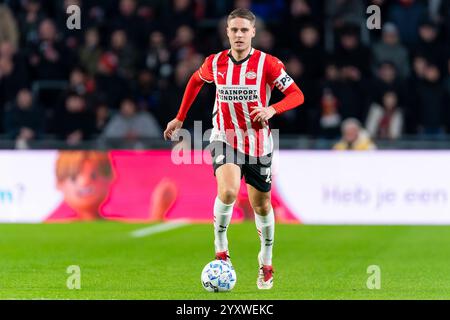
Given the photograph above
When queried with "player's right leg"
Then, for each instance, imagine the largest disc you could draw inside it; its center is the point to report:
(228, 178)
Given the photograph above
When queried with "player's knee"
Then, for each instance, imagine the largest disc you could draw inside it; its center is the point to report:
(263, 208)
(228, 195)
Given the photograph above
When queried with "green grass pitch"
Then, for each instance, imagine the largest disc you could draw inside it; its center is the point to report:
(311, 262)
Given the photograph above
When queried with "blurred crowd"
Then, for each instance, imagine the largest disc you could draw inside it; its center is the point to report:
(123, 74)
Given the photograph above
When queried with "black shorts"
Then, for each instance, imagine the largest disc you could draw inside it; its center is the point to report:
(256, 170)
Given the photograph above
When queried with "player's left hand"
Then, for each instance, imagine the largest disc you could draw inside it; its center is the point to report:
(262, 114)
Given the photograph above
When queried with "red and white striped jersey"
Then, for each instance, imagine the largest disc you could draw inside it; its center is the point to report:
(239, 87)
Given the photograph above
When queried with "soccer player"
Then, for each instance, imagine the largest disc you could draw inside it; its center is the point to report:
(243, 145)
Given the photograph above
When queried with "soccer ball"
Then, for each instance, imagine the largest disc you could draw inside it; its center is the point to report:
(218, 276)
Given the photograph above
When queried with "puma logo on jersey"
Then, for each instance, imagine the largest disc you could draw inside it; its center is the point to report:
(222, 74)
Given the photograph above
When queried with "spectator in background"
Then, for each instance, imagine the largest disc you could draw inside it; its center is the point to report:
(125, 53)
(387, 80)
(352, 60)
(13, 73)
(431, 102)
(310, 51)
(183, 44)
(90, 53)
(128, 20)
(354, 137)
(266, 42)
(352, 53)
(74, 123)
(385, 121)
(110, 86)
(181, 13)
(29, 19)
(407, 14)
(158, 56)
(429, 45)
(390, 49)
(301, 120)
(102, 117)
(97, 13)
(344, 12)
(332, 75)
(49, 59)
(146, 92)
(131, 125)
(330, 119)
(412, 110)
(78, 82)
(339, 15)
(300, 12)
(8, 26)
(7, 50)
(24, 120)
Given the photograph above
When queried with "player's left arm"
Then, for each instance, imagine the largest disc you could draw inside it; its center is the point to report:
(293, 96)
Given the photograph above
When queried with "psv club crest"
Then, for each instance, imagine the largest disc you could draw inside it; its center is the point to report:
(250, 75)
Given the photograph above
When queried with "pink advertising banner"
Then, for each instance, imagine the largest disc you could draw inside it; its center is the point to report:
(310, 187)
(132, 186)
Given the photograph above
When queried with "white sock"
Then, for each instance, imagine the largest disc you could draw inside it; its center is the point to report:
(266, 230)
(222, 218)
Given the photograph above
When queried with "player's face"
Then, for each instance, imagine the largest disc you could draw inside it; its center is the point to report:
(240, 33)
(86, 191)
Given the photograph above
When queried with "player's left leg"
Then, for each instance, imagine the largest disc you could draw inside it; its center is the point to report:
(265, 224)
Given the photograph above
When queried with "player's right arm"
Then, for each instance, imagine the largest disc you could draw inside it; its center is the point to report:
(202, 75)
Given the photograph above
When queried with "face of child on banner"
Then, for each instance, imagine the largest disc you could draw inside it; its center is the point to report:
(84, 178)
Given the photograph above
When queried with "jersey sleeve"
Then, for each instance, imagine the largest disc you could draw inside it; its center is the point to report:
(205, 72)
(276, 74)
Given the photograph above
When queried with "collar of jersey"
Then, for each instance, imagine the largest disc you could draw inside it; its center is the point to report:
(240, 61)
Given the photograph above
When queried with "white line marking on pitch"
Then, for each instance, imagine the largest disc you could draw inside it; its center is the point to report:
(158, 228)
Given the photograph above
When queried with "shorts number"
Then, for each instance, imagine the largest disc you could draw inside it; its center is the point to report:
(269, 175)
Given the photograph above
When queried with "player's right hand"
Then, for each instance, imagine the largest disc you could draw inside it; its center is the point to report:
(172, 127)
